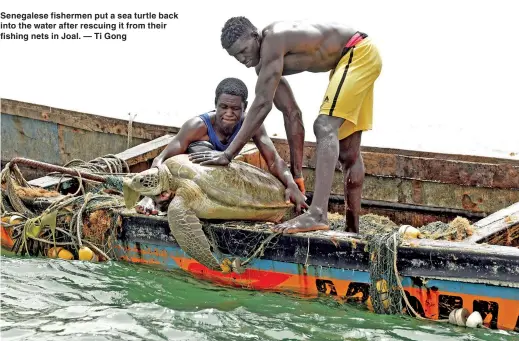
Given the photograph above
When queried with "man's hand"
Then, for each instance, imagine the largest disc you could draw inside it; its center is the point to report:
(210, 158)
(293, 194)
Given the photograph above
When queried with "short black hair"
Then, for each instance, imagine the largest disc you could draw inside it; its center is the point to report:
(232, 86)
(233, 29)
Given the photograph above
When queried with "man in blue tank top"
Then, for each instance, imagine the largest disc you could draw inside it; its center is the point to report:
(215, 130)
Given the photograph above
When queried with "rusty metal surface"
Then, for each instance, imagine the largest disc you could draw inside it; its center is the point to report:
(400, 214)
(470, 198)
(29, 138)
(389, 180)
(448, 169)
(84, 121)
(56, 144)
(310, 147)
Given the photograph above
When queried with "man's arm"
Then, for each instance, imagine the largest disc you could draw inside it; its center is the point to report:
(192, 130)
(278, 167)
(272, 53)
(285, 102)
(276, 164)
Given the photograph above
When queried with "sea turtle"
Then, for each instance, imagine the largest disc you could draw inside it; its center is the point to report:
(239, 191)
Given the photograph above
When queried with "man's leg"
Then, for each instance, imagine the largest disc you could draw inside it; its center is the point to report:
(316, 218)
(353, 170)
(296, 138)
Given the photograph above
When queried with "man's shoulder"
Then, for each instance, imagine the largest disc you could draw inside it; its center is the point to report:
(275, 29)
(195, 125)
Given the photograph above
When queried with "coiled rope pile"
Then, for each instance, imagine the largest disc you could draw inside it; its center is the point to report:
(68, 220)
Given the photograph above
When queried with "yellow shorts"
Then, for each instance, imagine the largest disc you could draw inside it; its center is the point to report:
(350, 91)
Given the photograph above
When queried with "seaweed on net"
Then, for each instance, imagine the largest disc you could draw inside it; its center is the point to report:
(384, 289)
(69, 222)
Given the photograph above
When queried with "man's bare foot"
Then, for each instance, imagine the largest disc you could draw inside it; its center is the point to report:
(146, 206)
(306, 222)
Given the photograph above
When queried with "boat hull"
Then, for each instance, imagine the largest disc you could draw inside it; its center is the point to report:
(438, 276)
(433, 298)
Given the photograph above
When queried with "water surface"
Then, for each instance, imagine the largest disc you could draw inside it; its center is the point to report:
(47, 299)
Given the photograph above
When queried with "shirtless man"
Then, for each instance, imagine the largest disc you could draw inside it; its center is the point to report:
(284, 48)
(214, 131)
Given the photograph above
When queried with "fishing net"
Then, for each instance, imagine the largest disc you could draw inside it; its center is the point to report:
(384, 290)
(235, 238)
(112, 166)
(382, 238)
(40, 220)
(69, 222)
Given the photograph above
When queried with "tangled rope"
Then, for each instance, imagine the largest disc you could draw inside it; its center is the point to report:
(107, 165)
(99, 165)
(11, 176)
(65, 218)
(386, 290)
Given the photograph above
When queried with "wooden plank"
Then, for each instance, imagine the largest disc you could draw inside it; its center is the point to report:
(145, 151)
(83, 121)
(495, 224)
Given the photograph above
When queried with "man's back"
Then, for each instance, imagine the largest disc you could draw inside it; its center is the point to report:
(307, 46)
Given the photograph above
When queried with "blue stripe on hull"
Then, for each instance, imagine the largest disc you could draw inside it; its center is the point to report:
(476, 289)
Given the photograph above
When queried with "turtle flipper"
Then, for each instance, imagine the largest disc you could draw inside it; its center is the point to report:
(187, 231)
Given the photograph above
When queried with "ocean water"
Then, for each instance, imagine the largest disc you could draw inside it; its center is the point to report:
(48, 299)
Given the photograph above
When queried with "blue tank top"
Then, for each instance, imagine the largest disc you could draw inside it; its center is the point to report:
(213, 139)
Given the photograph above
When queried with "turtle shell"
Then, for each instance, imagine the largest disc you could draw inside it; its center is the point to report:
(238, 184)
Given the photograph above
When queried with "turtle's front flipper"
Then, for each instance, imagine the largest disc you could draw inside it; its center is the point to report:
(187, 231)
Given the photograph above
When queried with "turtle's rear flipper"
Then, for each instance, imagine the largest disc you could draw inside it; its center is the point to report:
(187, 231)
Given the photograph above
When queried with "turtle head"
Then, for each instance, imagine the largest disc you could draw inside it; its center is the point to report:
(151, 182)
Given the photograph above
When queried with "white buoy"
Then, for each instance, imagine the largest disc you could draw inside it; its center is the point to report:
(452, 318)
(409, 231)
(475, 320)
(458, 317)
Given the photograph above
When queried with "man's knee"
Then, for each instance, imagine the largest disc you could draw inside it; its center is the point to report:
(325, 126)
(348, 157)
(356, 173)
(356, 178)
(350, 150)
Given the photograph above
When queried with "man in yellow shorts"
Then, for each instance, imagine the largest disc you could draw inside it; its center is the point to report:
(284, 48)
